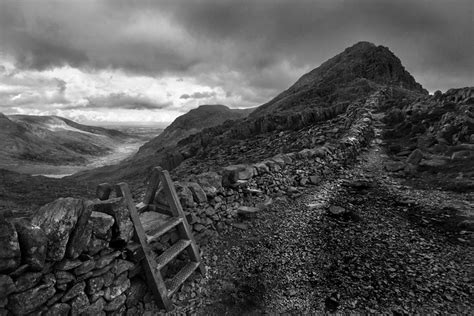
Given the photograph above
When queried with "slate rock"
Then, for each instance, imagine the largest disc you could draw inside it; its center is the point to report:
(27, 281)
(198, 193)
(415, 157)
(185, 195)
(74, 291)
(64, 277)
(57, 219)
(247, 211)
(67, 264)
(314, 180)
(79, 304)
(117, 208)
(121, 266)
(81, 233)
(96, 245)
(231, 174)
(394, 166)
(210, 182)
(135, 293)
(101, 224)
(106, 260)
(58, 310)
(28, 301)
(33, 244)
(95, 308)
(10, 254)
(116, 303)
(94, 285)
(116, 290)
(7, 286)
(85, 267)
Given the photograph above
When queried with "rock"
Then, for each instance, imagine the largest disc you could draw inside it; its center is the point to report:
(85, 267)
(117, 208)
(79, 304)
(116, 303)
(108, 279)
(135, 293)
(58, 309)
(101, 224)
(337, 210)
(55, 299)
(292, 189)
(67, 264)
(231, 174)
(107, 259)
(28, 301)
(95, 245)
(64, 277)
(415, 157)
(121, 266)
(261, 168)
(57, 219)
(33, 244)
(74, 291)
(210, 182)
(314, 180)
(303, 181)
(199, 227)
(433, 163)
(462, 154)
(185, 195)
(240, 226)
(115, 291)
(27, 281)
(103, 191)
(198, 193)
(94, 285)
(394, 166)
(10, 254)
(81, 234)
(95, 308)
(247, 211)
(6, 286)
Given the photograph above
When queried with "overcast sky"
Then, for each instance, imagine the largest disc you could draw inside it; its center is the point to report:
(150, 61)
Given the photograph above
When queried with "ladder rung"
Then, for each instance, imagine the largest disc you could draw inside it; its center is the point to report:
(172, 252)
(173, 284)
(154, 234)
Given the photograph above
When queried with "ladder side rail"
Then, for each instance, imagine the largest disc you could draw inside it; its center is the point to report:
(154, 278)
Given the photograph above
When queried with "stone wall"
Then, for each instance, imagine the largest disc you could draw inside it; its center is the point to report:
(73, 257)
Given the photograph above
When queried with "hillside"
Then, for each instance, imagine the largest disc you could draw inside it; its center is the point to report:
(53, 140)
(204, 116)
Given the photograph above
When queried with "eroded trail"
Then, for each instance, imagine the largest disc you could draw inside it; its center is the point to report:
(347, 245)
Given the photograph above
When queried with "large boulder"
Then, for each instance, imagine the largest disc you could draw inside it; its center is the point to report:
(101, 224)
(117, 208)
(34, 243)
(10, 254)
(82, 232)
(57, 219)
(234, 173)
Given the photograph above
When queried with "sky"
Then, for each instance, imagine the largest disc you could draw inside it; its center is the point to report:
(147, 62)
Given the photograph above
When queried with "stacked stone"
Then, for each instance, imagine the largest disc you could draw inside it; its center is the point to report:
(213, 200)
(61, 262)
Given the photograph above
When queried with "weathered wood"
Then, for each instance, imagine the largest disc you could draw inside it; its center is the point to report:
(154, 278)
(184, 229)
(152, 186)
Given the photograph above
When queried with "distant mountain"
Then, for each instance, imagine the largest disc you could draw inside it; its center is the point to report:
(53, 139)
(343, 78)
(194, 121)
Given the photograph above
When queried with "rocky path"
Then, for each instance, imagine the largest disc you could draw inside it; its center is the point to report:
(350, 244)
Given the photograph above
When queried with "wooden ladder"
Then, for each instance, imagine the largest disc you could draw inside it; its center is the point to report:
(162, 290)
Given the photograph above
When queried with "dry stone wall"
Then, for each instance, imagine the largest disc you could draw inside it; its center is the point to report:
(73, 257)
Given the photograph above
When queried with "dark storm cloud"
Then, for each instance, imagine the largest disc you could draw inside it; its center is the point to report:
(121, 101)
(198, 95)
(262, 46)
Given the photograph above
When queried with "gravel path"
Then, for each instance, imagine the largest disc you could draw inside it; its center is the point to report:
(370, 255)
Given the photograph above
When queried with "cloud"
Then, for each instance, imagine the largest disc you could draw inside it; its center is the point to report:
(122, 101)
(247, 51)
(198, 95)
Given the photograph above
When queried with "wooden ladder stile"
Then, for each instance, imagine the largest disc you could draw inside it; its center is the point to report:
(162, 290)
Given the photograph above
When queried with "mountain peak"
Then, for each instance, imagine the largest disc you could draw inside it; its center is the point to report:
(350, 75)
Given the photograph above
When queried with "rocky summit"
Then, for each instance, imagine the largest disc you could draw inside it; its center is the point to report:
(350, 192)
